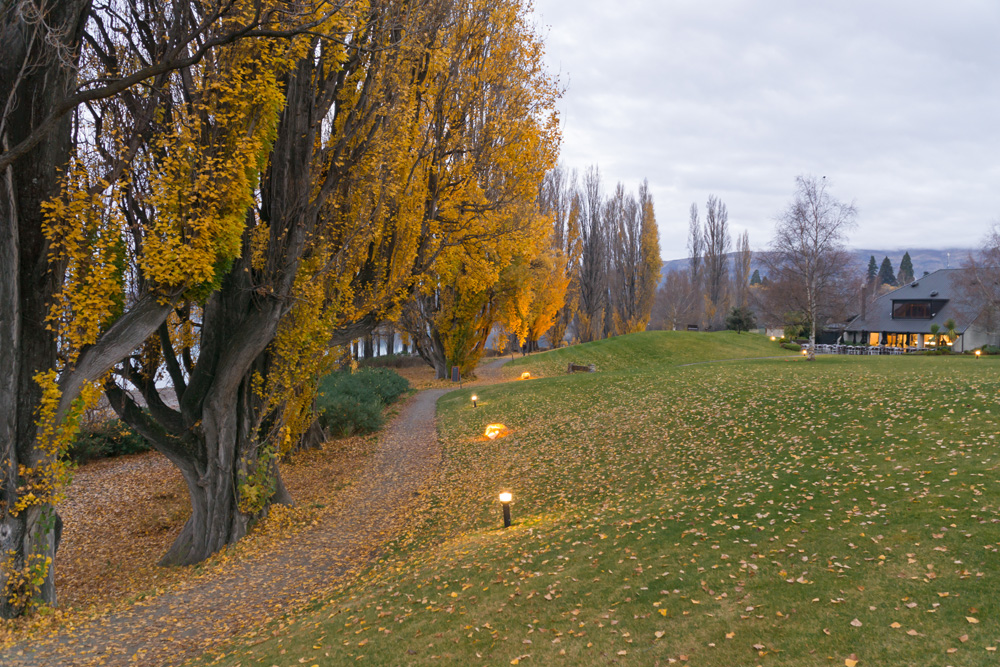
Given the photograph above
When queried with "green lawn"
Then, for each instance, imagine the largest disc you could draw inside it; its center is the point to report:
(772, 512)
(650, 348)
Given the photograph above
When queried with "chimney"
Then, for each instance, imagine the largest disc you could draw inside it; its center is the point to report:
(864, 303)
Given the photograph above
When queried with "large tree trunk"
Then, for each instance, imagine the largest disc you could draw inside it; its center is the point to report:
(390, 341)
(32, 81)
(213, 435)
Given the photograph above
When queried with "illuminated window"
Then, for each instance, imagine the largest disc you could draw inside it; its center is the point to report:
(911, 310)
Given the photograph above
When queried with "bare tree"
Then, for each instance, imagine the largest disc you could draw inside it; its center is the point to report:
(717, 245)
(696, 270)
(807, 253)
(977, 286)
(558, 198)
(593, 261)
(741, 271)
(677, 302)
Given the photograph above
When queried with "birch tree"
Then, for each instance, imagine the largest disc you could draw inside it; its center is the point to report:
(808, 251)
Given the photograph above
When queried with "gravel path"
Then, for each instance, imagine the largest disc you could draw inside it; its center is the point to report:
(188, 621)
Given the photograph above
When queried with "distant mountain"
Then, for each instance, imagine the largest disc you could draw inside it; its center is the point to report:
(924, 259)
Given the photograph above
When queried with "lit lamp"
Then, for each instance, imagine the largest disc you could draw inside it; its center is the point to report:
(525, 375)
(805, 353)
(505, 498)
(493, 430)
(773, 338)
(978, 353)
(474, 399)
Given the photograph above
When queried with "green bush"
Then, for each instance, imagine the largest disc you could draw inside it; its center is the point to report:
(393, 361)
(791, 346)
(105, 439)
(990, 349)
(352, 403)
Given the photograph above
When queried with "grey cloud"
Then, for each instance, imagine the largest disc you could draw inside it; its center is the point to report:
(896, 102)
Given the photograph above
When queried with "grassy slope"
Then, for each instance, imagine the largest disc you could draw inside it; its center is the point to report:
(733, 514)
(636, 351)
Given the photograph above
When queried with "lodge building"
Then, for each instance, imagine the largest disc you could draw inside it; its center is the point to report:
(904, 316)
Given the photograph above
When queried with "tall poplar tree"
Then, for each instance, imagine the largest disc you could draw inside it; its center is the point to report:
(717, 243)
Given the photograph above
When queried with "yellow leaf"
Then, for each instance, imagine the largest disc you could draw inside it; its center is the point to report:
(971, 619)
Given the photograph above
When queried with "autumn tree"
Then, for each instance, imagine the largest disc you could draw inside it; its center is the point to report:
(633, 253)
(808, 264)
(487, 136)
(648, 274)
(65, 253)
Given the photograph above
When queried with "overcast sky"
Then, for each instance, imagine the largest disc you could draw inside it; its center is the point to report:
(896, 103)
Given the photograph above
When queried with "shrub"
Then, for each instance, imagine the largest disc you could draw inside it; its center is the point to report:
(393, 361)
(352, 403)
(990, 349)
(791, 346)
(104, 439)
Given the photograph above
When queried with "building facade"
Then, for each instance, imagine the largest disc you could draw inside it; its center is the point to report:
(905, 316)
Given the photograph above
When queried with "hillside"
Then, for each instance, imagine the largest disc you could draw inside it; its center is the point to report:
(924, 259)
(640, 350)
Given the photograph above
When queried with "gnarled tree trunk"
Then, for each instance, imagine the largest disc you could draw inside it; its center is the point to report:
(32, 81)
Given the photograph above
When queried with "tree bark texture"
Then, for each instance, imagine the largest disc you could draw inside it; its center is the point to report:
(32, 80)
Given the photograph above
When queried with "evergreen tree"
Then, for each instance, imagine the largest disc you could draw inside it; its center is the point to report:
(872, 269)
(905, 269)
(740, 320)
(885, 275)
(755, 278)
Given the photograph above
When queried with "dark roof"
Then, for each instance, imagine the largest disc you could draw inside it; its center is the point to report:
(935, 286)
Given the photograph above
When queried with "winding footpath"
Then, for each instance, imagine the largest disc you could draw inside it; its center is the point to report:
(192, 619)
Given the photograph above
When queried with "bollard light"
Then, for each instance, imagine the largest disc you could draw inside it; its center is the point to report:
(493, 430)
(978, 352)
(474, 399)
(773, 338)
(805, 353)
(525, 375)
(505, 499)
